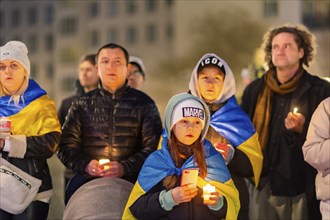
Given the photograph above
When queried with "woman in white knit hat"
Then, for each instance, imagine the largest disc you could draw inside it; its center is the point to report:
(160, 193)
(34, 133)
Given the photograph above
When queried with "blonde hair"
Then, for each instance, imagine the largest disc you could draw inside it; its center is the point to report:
(19, 94)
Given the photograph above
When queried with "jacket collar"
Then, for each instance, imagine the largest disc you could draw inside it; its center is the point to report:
(119, 92)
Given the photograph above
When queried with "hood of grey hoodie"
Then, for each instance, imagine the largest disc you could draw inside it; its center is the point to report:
(229, 85)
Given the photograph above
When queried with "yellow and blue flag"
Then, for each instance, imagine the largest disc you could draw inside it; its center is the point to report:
(160, 165)
(35, 114)
(231, 122)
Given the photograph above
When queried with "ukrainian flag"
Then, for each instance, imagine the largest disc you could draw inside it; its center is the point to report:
(231, 122)
(35, 113)
(160, 164)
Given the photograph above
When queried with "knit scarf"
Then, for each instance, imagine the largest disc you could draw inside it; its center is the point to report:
(262, 113)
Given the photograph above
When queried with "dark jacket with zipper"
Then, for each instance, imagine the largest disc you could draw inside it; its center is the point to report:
(66, 103)
(284, 166)
(124, 126)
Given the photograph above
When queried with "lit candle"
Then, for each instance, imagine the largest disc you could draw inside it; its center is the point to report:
(104, 161)
(207, 190)
(295, 110)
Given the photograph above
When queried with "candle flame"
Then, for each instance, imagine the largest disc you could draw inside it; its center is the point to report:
(295, 110)
(207, 190)
(103, 161)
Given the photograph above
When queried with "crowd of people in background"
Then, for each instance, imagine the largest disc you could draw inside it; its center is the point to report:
(267, 158)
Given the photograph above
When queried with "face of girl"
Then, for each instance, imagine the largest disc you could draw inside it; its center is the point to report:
(12, 75)
(210, 83)
(188, 130)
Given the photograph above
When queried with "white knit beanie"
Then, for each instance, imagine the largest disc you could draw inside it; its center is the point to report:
(16, 50)
(174, 111)
(138, 61)
(188, 108)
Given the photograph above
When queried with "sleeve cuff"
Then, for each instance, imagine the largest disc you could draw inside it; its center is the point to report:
(166, 200)
(231, 153)
(218, 205)
(17, 146)
(6, 147)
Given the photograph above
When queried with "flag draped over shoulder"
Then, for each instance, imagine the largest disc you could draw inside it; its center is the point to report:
(160, 165)
(34, 115)
(231, 122)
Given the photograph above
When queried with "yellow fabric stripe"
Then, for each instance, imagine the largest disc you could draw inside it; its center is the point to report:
(254, 154)
(251, 147)
(160, 142)
(229, 191)
(136, 192)
(38, 118)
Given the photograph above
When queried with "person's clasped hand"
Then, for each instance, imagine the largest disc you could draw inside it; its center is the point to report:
(213, 198)
(226, 150)
(184, 193)
(111, 169)
(222, 148)
(295, 122)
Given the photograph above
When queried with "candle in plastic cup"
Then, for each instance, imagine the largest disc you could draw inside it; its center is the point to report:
(207, 190)
(104, 161)
(295, 110)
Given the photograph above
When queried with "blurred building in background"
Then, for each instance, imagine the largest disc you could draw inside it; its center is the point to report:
(58, 33)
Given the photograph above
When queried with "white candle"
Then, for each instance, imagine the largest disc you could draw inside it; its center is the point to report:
(104, 161)
(295, 110)
(207, 190)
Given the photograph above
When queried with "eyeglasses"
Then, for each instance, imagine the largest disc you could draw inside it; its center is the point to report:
(12, 66)
(135, 73)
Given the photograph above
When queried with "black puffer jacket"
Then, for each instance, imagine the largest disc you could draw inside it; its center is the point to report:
(124, 127)
(66, 103)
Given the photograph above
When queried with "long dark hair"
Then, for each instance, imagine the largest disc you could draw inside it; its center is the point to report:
(197, 149)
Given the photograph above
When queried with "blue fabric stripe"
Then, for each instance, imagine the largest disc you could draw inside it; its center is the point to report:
(160, 164)
(232, 123)
(33, 92)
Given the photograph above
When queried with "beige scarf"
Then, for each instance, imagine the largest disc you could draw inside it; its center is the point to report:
(261, 116)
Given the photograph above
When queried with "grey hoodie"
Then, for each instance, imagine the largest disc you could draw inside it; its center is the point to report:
(229, 86)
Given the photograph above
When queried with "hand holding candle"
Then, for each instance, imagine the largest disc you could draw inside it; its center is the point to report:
(295, 110)
(105, 163)
(207, 190)
(295, 121)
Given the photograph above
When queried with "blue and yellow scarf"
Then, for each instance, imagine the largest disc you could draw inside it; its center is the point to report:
(231, 122)
(35, 113)
(160, 165)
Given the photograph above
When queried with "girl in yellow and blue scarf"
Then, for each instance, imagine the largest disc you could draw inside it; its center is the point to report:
(158, 194)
